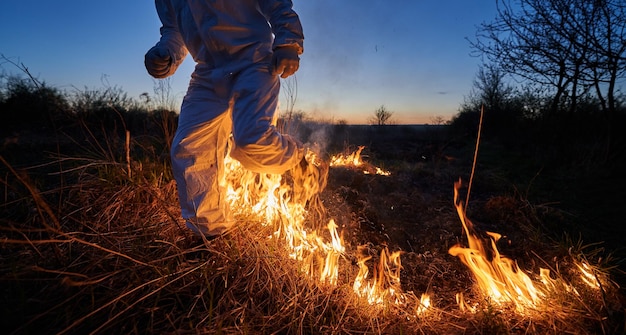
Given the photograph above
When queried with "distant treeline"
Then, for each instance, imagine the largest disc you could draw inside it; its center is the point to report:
(586, 138)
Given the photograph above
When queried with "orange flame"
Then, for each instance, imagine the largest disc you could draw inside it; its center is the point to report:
(588, 275)
(276, 203)
(330, 272)
(497, 276)
(423, 305)
(462, 304)
(500, 278)
(385, 285)
(354, 159)
(272, 200)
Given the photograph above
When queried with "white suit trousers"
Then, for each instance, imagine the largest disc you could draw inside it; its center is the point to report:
(220, 103)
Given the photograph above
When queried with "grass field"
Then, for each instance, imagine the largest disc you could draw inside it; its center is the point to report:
(92, 242)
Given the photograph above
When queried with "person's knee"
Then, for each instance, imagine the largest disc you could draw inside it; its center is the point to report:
(252, 135)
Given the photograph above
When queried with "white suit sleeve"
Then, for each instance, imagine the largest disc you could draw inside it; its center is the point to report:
(171, 38)
(285, 23)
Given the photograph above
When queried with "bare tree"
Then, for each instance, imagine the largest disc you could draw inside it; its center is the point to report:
(289, 89)
(490, 89)
(437, 120)
(20, 66)
(608, 49)
(163, 93)
(382, 116)
(290, 119)
(569, 48)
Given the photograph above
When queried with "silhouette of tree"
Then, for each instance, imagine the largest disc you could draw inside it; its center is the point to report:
(382, 116)
(569, 48)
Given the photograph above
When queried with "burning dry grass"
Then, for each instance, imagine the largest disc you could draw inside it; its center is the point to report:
(106, 254)
(112, 259)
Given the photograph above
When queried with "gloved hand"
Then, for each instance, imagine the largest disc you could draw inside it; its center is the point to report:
(285, 61)
(158, 61)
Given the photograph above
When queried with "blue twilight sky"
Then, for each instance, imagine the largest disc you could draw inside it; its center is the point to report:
(409, 55)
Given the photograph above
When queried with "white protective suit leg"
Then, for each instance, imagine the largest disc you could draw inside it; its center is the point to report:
(257, 143)
(246, 104)
(198, 152)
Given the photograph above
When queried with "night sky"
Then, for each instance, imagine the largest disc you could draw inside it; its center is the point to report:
(412, 56)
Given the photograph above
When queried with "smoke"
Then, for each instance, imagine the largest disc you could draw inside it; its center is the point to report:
(318, 139)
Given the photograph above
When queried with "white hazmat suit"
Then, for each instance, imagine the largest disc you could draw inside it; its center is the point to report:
(232, 90)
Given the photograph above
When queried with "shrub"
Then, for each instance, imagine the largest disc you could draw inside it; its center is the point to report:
(31, 105)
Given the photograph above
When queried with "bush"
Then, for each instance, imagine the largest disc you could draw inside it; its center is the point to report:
(27, 104)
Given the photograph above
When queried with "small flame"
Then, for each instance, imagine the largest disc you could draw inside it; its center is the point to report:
(463, 306)
(330, 272)
(424, 304)
(385, 285)
(588, 275)
(354, 159)
(379, 171)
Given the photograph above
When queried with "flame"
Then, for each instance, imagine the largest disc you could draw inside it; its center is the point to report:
(379, 171)
(330, 272)
(588, 275)
(497, 276)
(501, 279)
(277, 203)
(423, 305)
(463, 306)
(273, 200)
(385, 284)
(354, 159)
(282, 203)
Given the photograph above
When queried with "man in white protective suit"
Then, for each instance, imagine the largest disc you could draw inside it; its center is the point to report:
(240, 47)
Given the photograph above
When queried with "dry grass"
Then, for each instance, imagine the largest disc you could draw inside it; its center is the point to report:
(103, 253)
